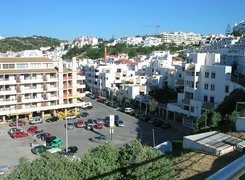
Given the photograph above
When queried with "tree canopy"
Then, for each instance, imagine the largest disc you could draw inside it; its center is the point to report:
(131, 161)
(229, 103)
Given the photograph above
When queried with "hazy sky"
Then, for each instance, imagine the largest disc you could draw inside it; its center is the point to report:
(67, 19)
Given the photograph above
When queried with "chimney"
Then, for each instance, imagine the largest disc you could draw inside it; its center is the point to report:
(105, 54)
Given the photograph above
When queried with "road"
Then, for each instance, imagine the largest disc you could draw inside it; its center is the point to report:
(12, 149)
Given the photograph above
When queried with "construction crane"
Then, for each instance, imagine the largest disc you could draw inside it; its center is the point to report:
(157, 28)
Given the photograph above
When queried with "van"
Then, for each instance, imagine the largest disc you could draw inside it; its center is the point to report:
(36, 120)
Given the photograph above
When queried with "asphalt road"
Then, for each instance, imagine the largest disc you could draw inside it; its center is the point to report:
(12, 149)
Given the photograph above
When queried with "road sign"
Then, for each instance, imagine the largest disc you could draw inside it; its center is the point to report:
(112, 121)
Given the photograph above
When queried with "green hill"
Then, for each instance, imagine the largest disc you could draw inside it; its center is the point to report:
(16, 44)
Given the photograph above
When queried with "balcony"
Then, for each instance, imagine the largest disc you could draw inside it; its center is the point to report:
(45, 96)
(45, 78)
(19, 99)
(18, 89)
(18, 79)
(45, 87)
(66, 78)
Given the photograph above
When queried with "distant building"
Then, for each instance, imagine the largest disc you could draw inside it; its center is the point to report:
(86, 40)
(240, 27)
(179, 38)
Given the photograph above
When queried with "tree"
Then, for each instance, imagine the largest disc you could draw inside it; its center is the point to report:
(153, 105)
(132, 53)
(131, 161)
(209, 118)
(229, 103)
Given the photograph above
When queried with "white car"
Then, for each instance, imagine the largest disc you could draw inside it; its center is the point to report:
(71, 117)
(128, 110)
(36, 120)
(54, 150)
(87, 105)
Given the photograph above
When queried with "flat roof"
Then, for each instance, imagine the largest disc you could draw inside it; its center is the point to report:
(24, 59)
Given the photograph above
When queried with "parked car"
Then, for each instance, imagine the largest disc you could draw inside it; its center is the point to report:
(71, 150)
(100, 139)
(20, 123)
(11, 130)
(32, 129)
(18, 134)
(70, 125)
(99, 125)
(49, 139)
(4, 169)
(41, 149)
(35, 133)
(157, 122)
(52, 119)
(43, 136)
(101, 99)
(71, 117)
(165, 125)
(36, 120)
(89, 124)
(54, 143)
(83, 114)
(79, 123)
(144, 117)
(119, 123)
(87, 105)
(128, 110)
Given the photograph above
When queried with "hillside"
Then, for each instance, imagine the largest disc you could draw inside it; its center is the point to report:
(16, 44)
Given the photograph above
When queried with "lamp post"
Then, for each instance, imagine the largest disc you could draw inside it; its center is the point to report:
(66, 137)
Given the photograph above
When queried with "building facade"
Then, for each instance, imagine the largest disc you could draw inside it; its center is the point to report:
(30, 86)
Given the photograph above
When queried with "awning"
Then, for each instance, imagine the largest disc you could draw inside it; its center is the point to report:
(22, 113)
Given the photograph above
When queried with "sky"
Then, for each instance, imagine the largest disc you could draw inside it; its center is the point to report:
(68, 19)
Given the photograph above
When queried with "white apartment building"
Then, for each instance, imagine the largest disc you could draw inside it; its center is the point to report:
(181, 38)
(231, 49)
(108, 76)
(86, 40)
(31, 53)
(151, 41)
(129, 40)
(206, 83)
(36, 85)
(240, 27)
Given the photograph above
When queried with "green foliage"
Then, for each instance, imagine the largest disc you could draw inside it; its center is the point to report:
(163, 95)
(229, 103)
(132, 161)
(16, 44)
(210, 118)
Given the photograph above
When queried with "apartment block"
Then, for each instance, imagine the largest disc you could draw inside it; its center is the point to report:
(38, 85)
(206, 84)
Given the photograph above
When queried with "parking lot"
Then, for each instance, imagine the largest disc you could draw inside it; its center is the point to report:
(12, 149)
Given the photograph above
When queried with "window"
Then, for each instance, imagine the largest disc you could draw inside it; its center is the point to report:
(212, 87)
(213, 75)
(35, 65)
(8, 66)
(192, 109)
(197, 73)
(227, 88)
(119, 70)
(211, 99)
(179, 75)
(205, 98)
(22, 66)
(205, 86)
(206, 74)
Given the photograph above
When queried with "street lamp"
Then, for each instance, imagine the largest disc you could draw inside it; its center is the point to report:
(66, 136)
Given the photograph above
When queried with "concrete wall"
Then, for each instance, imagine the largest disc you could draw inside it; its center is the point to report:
(240, 124)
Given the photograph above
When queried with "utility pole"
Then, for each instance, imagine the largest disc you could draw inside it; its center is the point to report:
(153, 137)
(66, 136)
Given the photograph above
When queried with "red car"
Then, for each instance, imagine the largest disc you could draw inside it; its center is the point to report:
(43, 136)
(32, 129)
(20, 123)
(99, 125)
(18, 134)
(80, 123)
